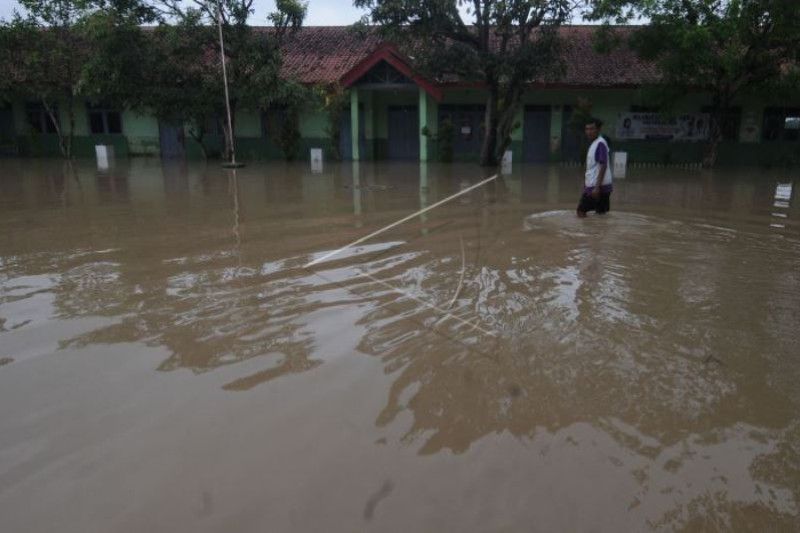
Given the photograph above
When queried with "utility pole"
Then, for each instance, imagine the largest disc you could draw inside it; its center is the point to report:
(232, 163)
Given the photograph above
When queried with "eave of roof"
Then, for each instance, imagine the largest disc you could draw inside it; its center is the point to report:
(389, 53)
(332, 54)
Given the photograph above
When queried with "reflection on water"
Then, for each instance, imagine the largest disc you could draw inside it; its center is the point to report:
(783, 201)
(653, 347)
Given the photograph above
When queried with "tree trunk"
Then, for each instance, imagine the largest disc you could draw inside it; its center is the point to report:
(71, 115)
(198, 136)
(715, 136)
(62, 145)
(710, 154)
(489, 147)
(506, 114)
(69, 169)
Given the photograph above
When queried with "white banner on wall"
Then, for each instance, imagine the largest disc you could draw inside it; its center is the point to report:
(689, 127)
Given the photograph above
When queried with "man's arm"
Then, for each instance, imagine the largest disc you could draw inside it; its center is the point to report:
(596, 191)
(601, 157)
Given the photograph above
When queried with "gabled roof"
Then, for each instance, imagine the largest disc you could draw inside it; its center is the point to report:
(389, 53)
(333, 54)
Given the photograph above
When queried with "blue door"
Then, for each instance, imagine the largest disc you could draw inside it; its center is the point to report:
(403, 123)
(536, 134)
(346, 135)
(171, 139)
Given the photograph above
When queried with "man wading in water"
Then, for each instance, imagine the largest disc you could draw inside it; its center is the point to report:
(597, 185)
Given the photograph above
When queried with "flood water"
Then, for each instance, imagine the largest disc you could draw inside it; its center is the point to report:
(169, 363)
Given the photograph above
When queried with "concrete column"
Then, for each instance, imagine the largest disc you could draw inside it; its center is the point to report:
(357, 191)
(423, 193)
(423, 123)
(354, 122)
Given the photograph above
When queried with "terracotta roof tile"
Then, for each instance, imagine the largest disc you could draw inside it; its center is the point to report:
(586, 66)
(323, 54)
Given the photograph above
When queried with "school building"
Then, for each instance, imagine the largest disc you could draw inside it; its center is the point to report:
(391, 104)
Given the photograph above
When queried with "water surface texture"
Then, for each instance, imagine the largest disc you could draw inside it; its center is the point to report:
(496, 364)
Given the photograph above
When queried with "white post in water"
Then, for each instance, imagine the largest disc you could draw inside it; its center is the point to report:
(225, 83)
(316, 160)
(105, 155)
(505, 164)
(620, 164)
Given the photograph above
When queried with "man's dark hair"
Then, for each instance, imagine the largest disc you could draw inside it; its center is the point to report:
(596, 121)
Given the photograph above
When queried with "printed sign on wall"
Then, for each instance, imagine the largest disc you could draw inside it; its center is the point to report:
(688, 127)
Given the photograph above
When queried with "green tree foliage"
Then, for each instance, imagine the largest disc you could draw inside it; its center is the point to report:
(120, 53)
(335, 104)
(289, 134)
(253, 57)
(63, 53)
(283, 115)
(581, 114)
(443, 138)
(181, 82)
(60, 53)
(726, 48)
(508, 44)
(43, 54)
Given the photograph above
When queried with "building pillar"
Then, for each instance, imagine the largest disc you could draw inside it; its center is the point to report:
(423, 194)
(357, 191)
(354, 122)
(423, 124)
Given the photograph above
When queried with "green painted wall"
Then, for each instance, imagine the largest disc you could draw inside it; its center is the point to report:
(464, 96)
(381, 102)
(81, 119)
(139, 124)
(248, 124)
(140, 130)
(368, 99)
(139, 134)
(314, 124)
(607, 104)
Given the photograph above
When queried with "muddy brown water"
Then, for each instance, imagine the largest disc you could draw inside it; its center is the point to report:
(168, 364)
